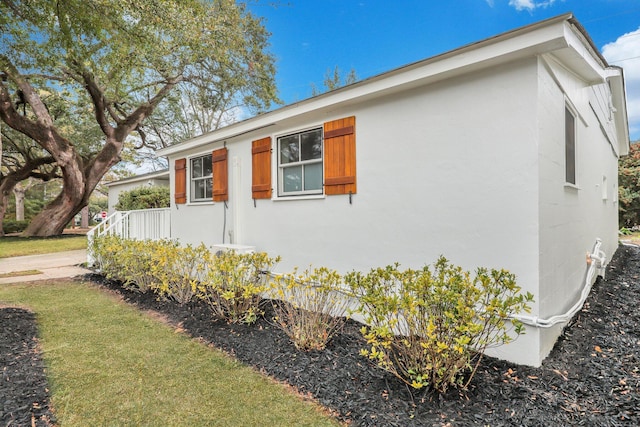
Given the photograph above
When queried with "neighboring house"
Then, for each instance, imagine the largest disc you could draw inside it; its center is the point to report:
(502, 153)
(158, 178)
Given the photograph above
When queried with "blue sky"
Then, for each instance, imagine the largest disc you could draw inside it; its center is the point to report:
(310, 37)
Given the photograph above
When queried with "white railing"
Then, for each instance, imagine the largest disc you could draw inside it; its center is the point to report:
(144, 224)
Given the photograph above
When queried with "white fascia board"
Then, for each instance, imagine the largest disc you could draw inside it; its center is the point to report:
(535, 39)
(144, 177)
(615, 77)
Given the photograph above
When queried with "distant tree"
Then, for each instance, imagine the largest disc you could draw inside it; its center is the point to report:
(629, 187)
(116, 61)
(145, 197)
(333, 80)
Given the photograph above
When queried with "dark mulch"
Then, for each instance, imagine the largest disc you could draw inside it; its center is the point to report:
(592, 376)
(24, 396)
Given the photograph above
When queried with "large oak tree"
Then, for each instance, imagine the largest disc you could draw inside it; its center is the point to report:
(116, 61)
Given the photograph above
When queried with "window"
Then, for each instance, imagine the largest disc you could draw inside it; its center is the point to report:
(201, 179)
(570, 146)
(300, 163)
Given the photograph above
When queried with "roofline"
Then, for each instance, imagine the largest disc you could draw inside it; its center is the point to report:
(420, 72)
(135, 178)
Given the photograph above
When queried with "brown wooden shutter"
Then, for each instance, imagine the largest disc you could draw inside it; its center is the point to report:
(340, 156)
(261, 168)
(180, 195)
(220, 175)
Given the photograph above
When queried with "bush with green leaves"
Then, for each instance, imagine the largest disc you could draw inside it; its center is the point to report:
(144, 197)
(178, 270)
(106, 251)
(430, 327)
(14, 226)
(311, 306)
(233, 284)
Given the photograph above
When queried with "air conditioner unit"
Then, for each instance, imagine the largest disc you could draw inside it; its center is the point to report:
(240, 249)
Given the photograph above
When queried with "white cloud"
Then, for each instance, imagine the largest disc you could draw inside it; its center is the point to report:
(625, 53)
(490, 3)
(530, 5)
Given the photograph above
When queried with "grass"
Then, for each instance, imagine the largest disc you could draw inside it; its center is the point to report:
(17, 246)
(20, 273)
(110, 364)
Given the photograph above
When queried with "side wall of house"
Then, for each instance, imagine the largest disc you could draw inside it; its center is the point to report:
(573, 216)
(449, 168)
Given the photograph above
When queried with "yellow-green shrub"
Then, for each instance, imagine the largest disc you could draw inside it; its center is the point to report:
(427, 326)
(233, 284)
(312, 309)
(178, 269)
(106, 252)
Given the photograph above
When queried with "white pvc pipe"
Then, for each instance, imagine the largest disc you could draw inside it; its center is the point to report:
(597, 261)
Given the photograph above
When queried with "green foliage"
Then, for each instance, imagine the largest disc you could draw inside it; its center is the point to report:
(629, 187)
(312, 307)
(145, 197)
(13, 226)
(427, 326)
(332, 81)
(234, 283)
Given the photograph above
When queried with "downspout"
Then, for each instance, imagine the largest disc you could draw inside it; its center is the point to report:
(596, 260)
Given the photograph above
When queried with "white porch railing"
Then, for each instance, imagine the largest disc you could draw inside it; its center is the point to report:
(144, 224)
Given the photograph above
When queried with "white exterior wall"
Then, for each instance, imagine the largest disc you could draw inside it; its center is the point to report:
(447, 169)
(572, 217)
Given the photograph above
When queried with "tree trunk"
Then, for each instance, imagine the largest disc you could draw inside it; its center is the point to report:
(3, 208)
(19, 193)
(84, 220)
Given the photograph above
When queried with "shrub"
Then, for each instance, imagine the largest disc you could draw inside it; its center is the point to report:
(144, 197)
(427, 327)
(233, 284)
(14, 226)
(313, 309)
(177, 269)
(106, 252)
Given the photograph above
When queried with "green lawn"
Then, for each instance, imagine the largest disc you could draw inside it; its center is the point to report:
(110, 364)
(18, 246)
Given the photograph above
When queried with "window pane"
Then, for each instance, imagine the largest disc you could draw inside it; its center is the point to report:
(289, 151)
(196, 167)
(292, 179)
(197, 189)
(311, 145)
(313, 176)
(570, 147)
(206, 165)
(208, 188)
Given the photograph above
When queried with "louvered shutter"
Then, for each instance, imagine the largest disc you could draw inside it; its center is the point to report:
(180, 193)
(340, 156)
(220, 175)
(261, 168)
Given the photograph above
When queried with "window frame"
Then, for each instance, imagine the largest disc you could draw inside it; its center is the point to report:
(190, 170)
(281, 166)
(570, 147)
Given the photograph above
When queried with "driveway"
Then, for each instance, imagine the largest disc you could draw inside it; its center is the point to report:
(49, 266)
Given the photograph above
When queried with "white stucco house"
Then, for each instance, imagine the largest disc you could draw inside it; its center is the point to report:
(502, 153)
(156, 178)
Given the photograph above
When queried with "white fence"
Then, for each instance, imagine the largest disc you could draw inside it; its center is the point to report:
(145, 224)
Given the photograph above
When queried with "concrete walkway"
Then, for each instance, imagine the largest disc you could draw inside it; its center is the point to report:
(51, 266)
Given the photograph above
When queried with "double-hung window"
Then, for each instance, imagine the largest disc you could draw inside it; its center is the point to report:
(300, 163)
(201, 179)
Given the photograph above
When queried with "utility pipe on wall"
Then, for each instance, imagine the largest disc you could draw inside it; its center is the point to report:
(596, 261)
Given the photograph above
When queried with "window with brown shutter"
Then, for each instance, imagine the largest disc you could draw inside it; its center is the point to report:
(261, 168)
(340, 156)
(180, 195)
(220, 175)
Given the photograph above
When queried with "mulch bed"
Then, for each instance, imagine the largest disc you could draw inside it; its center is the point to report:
(592, 376)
